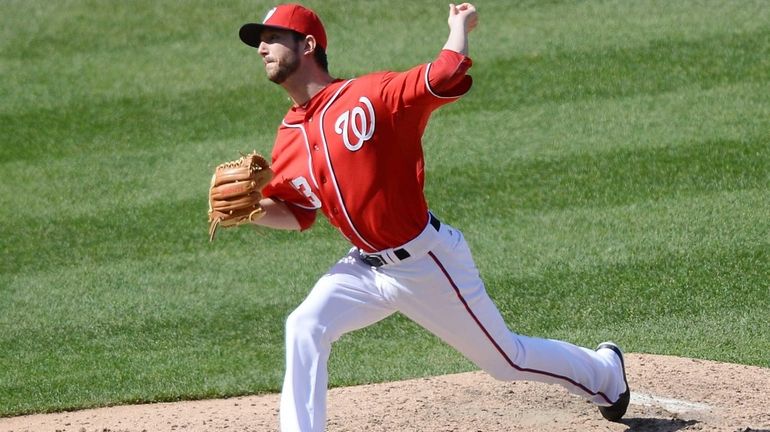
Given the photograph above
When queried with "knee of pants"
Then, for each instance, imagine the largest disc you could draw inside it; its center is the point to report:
(504, 373)
(501, 365)
(303, 328)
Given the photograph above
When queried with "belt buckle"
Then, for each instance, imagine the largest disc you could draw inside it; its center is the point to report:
(372, 260)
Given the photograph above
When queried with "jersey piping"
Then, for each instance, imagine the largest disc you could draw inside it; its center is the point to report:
(309, 159)
(343, 208)
(430, 89)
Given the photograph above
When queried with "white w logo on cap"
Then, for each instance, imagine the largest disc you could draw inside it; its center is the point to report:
(269, 14)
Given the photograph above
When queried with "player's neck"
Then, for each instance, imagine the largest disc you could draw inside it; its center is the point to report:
(305, 84)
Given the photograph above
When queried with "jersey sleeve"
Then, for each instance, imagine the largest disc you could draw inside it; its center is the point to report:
(437, 83)
(448, 76)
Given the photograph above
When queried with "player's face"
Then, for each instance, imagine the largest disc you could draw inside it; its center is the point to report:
(280, 53)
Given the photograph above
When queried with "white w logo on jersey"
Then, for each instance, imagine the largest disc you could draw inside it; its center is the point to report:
(357, 122)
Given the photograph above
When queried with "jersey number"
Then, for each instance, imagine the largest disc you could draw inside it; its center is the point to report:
(301, 184)
(361, 126)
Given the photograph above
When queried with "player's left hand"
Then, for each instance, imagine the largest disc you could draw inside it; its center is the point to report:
(236, 190)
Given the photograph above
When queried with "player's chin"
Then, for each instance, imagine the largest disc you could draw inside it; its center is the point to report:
(272, 75)
(276, 77)
(272, 71)
(279, 74)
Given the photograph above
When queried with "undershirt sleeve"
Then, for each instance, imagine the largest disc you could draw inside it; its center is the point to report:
(280, 191)
(305, 217)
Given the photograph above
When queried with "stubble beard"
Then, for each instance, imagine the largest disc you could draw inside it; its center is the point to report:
(284, 69)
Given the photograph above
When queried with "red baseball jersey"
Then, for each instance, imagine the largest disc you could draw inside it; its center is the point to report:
(354, 151)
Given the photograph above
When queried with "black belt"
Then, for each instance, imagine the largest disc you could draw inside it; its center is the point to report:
(376, 260)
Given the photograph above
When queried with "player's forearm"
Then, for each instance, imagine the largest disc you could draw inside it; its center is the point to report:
(277, 216)
(457, 42)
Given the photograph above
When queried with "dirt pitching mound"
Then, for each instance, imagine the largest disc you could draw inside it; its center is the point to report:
(668, 394)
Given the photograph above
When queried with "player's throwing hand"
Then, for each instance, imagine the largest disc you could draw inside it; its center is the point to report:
(463, 15)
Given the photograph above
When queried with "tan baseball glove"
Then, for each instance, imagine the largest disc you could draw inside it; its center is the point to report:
(235, 191)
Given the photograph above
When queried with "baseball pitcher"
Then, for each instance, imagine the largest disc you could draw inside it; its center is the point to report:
(351, 149)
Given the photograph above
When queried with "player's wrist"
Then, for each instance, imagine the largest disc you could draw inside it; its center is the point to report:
(457, 42)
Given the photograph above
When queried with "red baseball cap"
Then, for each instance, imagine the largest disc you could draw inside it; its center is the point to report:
(286, 17)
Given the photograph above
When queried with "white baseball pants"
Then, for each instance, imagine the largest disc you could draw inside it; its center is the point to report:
(439, 288)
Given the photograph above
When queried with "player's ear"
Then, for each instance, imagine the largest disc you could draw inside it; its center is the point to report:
(309, 44)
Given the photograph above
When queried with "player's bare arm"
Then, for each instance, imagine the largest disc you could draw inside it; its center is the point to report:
(277, 216)
(462, 20)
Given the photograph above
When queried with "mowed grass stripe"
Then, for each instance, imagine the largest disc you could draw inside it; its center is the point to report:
(662, 66)
(40, 30)
(157, 230)
(131, 123)
(612, 178)
(533, 26)
(126, 269)
(189, 356)
(726, 329)
(685, 284)
(556, 129)
(525, 242)
(89, 183)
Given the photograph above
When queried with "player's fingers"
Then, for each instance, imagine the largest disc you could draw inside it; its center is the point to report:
(466, 10)
(466, 6)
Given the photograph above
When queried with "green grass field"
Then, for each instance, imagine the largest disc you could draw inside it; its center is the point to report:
(610, 168)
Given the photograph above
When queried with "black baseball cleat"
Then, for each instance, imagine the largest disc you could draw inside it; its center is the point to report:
(616, 411)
